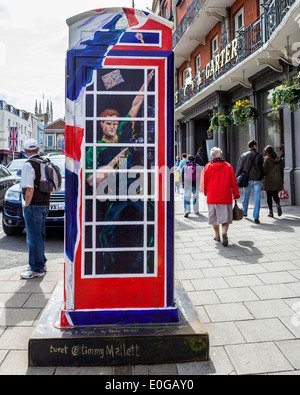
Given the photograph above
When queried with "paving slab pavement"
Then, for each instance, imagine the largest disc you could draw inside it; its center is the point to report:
(247, 294)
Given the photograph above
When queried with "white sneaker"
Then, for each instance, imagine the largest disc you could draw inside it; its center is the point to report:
(30, 274)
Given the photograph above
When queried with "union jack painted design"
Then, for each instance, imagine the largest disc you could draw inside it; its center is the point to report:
(111, 42)
(13, 139)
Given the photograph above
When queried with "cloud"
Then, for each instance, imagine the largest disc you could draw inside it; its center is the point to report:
(33, 45)
(5, 15)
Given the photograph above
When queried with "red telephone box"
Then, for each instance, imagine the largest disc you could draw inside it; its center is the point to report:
(119, 255)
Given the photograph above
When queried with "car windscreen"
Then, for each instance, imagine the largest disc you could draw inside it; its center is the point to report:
(61, 164)
(16, 165)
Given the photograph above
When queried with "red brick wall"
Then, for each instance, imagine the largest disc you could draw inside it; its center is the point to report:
(251, 12)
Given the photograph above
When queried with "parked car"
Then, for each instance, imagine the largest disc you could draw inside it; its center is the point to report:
(12, 218)
(6, 181)
(15, 167)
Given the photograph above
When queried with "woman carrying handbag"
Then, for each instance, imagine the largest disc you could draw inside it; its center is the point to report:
(219, 185)
(273, 179)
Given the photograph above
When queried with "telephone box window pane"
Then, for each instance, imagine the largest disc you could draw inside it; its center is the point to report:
(150, 236)
(121, 184)
(88, 265)
(89, 158)
(150, 262)
(151, 86)
(88, 185)
(151, 106)
(88, 237)
(151, 157)
(88, 210)
(89, 132)
(121, 262)
(126, 132)
(119, 236)
(89, 105)
(123, 80)
(133, 156)
(151, 132)
(151, 184)
(122, 103)
(119, 211)
(150, 211)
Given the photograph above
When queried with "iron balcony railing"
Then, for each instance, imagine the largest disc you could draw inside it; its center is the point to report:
(187, 20)
(249, 41)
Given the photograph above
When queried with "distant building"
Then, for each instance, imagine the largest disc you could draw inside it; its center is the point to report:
(25, 125)
(47, 116)
(54, 134)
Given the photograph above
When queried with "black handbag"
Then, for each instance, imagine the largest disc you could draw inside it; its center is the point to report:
(237, 213)
(243, 179)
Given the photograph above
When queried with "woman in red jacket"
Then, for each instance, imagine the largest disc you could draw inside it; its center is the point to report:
(219, 186)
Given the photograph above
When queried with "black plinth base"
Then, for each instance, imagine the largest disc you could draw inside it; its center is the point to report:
(114, 345)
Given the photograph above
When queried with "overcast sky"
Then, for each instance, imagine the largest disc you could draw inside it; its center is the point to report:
(33, 45)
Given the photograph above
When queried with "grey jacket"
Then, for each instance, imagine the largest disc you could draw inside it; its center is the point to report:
(244, 164)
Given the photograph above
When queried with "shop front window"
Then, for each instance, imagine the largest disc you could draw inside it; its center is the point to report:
(244, 138)
(273, 125)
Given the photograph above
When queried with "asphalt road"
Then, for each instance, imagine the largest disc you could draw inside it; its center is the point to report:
(14, 249)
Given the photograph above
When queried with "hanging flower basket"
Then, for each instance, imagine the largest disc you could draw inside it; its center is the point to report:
(287, 95)
(243, 113)
(220, 120)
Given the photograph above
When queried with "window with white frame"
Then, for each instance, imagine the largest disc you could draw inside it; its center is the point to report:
(215, 45)
(198, 63)
(185, 75)
(239, 21)
(50, 141)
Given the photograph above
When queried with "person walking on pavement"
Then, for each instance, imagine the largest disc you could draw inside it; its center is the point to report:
(183, 161)
(35, 212)
(219, 185)
(252, 163)
(177, 174)
(201, 157)
(190, 179)
(273, 179)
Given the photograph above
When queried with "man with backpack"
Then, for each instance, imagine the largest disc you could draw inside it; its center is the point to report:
(190, 179)
(35, 211)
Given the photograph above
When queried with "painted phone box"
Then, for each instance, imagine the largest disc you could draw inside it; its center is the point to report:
(119, 263)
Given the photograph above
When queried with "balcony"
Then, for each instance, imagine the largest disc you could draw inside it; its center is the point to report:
(200, 17)
(252, 40)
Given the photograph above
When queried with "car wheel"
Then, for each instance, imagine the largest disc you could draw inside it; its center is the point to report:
(9, 231)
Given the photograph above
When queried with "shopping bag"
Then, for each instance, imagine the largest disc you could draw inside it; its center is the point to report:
(283, 194)
(237, 213)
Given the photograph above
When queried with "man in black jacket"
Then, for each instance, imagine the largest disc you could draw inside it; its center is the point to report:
(252, 162)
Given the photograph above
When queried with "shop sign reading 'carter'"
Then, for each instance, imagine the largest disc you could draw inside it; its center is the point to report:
(223, 57)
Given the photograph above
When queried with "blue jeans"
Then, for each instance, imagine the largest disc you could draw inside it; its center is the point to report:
(35, 220)
(256, 187)
(188, 191)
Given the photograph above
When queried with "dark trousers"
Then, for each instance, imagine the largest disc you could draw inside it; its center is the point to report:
(35, 220)
(272, 195)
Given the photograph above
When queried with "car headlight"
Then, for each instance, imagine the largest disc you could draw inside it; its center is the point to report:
(12, 195)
